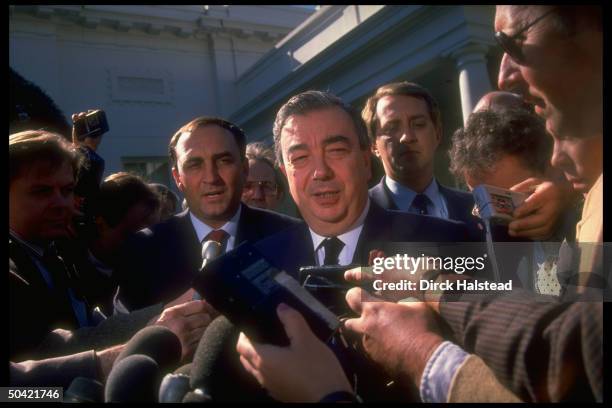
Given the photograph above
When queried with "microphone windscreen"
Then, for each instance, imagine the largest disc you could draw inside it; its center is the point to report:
(83, 389)
(197, 395)
(184, 369)
(216, 368)
(136, 378)
(173, 388)
(157, 342)
(207, 358)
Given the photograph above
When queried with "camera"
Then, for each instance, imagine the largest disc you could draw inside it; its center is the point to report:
(93, 124)
(497, 204)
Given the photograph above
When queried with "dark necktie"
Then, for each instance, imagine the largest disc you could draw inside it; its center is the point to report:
(332, 246)
(218, 235)
(420, 203)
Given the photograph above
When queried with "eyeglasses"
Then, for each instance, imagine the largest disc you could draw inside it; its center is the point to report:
(508, 43)
(268, 187)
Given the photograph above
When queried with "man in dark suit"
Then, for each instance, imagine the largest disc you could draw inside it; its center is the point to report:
(210, 168)
(405, 126)
(323, 148)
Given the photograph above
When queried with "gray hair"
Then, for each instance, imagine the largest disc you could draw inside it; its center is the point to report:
(315, 100)
(258, 151)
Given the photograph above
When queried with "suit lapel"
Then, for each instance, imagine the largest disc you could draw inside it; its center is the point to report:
(191, 246)
(382, 196)
(376, 228)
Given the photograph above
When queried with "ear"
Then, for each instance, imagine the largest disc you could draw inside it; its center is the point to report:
(374, 149)
(438, 135)
(177, 178)
(283, 170)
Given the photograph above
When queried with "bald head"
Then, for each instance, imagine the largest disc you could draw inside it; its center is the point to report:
(500, 100)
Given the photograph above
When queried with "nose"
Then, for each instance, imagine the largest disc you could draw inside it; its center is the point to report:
(211, 174)
(322, 171)
(408, 135)
(258, 193)
(510, 78)
(559, 159)
(62, 201)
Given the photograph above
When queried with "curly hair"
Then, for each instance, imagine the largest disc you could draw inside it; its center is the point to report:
(488, 135)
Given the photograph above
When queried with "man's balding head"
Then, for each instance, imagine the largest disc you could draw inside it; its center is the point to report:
(500, 100)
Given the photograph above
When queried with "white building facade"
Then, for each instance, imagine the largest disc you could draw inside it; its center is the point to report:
(153, 68)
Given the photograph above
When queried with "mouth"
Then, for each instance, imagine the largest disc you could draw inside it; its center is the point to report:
(327, 197)
(213, 194)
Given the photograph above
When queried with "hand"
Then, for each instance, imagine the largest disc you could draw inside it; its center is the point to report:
(305, 371)
(188, 321)
(388, 276)
(537, 217)
(398, 336)
(92, 143)
(187, 297)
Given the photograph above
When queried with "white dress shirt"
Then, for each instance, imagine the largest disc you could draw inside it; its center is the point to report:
(231, 227)
(403, 197)
(349, 238)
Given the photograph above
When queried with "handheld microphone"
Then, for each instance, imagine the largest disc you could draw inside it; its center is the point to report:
(173, 388)
(83, 389)
(135, 378)
(217, 371)
(210, 250)
(157, 342)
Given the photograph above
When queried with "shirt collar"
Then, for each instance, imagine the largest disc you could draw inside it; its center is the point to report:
(202, 229)
(350, 237)
(407, 194)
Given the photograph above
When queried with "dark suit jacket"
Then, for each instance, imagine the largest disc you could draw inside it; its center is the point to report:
(292, 248)
(36, 312)
(159, 263)
(35, 309)
(459, 203)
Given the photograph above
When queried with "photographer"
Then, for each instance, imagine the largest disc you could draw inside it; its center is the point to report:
(87, 138)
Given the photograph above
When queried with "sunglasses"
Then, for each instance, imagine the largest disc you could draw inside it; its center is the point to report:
(508, 43)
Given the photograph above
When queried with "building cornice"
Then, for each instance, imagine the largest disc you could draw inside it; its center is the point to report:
(182, 21)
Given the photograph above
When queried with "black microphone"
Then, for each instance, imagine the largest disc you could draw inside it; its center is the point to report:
(135, 378)
(217, 372)
(83, 389)
(157, 342)
(173, 387)
(210, 250)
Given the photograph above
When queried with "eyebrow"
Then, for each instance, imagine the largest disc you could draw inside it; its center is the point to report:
(299, 146)
(336, 139)
(217, 156)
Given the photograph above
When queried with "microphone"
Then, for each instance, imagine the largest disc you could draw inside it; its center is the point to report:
(210, 250)
(196, 395)
(133, 379)
(217, 372)
(83, 389)
(173, 388)
(156, 342)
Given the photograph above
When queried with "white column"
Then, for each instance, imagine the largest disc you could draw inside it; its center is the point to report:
(474, 79)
